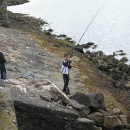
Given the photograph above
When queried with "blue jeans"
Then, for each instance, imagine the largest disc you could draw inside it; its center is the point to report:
(3, 71)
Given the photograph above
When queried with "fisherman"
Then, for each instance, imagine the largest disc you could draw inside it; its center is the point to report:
(2, 65)
(66, 65)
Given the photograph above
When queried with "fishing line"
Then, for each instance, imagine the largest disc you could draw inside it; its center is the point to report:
(91, 22)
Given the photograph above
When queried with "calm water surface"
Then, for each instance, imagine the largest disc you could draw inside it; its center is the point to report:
(110, 29)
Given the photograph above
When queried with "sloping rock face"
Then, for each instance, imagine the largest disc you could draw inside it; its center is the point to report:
(36, 114)
(3, 13)
(94, 101)
(7, 113)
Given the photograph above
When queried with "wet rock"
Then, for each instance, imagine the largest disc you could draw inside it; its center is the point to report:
(94, 101)
(88, 45)
(94, 47)
(120, 51)
(124, 59)
(79, 48)
(111, 122)
(16, 2)
(122, 54)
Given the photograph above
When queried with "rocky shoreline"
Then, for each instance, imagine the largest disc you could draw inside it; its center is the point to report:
(36, 84)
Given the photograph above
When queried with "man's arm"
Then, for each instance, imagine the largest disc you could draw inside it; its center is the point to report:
(3, 58)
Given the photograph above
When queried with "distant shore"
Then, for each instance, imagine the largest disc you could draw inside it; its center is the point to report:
(16, 2)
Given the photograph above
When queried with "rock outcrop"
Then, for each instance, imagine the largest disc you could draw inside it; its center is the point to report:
(3, 13)
(94, 101)
(36, 114)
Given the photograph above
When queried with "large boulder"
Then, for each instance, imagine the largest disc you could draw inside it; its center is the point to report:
(35, 114)
(94, 101)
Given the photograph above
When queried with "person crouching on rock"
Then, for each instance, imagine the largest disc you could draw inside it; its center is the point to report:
(2, 65)
(66, 65)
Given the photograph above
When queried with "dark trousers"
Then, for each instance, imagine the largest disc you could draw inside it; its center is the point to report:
(66, 83)
(3, 71)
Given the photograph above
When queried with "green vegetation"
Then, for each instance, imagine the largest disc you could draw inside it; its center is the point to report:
(66, 43)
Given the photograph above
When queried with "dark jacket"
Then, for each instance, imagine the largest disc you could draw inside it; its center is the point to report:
(2, 58)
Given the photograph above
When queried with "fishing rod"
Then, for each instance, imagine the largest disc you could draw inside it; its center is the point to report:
(89, 26)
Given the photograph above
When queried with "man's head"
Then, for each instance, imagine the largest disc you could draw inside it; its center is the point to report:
(66, 56)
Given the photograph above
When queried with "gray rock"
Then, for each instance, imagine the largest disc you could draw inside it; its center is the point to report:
(83, 124)
(94, 101)
(35, 114)
(117, 111)
(74, 104)
(83, 110)
(3, 84)
(15, 82)
(111, 122)
(7, 113)
(79, 48)
(123, 118)
(60, 94)
(97, 117)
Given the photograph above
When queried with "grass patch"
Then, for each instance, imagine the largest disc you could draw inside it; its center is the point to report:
(66, 43)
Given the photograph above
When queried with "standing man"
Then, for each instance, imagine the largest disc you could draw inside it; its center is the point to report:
(2, 65)
(66, 65)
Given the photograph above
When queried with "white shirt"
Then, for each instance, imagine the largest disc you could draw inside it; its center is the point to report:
(64, 70)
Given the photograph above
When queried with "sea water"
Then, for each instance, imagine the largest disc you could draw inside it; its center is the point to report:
(110, 30)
